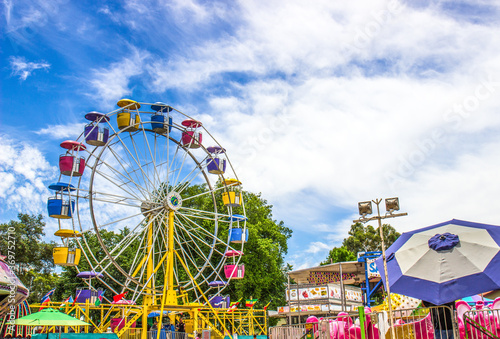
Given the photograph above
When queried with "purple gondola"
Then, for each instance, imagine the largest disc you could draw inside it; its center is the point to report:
(219, 301)
(95, 134)
(215, 164)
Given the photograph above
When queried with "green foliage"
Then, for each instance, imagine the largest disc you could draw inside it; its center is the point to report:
(361, 239)
(32, 256)
(68, 281)
(367, 238)
(339, 254)
(265, 270)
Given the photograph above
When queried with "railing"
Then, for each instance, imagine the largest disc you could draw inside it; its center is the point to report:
(480, 324)
(288, 332)
(132, 333)
(166, 335)
(424, 323)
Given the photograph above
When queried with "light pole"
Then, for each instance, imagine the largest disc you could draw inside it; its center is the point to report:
(391, 205)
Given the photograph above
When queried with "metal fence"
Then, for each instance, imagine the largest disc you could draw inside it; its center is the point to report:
(479, 324)
(424, 323)
(289, 332)
(166, 335)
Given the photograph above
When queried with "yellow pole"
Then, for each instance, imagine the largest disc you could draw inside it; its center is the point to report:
(171, 293)
(148, 298)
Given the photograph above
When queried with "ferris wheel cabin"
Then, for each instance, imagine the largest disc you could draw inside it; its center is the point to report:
(215, 164)
(70, 164)
(61, 206)
(96, 134)
(158, 120)
(191, 138)
(233, 196)
(236, 233)
(65, 255)
(128, 119)
(234, 271)
(219, 301)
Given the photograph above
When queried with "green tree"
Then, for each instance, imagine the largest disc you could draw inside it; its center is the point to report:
(339, 254)
(68, 281)
(32, 256)
(367, 238)
(265, 268)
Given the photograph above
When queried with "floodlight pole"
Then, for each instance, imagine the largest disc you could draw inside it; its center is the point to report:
(379, 218)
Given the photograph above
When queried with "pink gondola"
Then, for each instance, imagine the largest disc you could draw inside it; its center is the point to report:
(191, 138)
(70, 164)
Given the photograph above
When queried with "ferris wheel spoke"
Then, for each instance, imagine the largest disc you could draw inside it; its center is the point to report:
(115, 199)
(156, 176)
(208, 192)
(128, 217)
(120, 184)
(122, 245)
(179, 166)
(208, 215)
(197, 229)
(145, 176)
(133, 160)
(195, 253)
(122, 161)
(128, 178)
(192, 175)
(185, 247)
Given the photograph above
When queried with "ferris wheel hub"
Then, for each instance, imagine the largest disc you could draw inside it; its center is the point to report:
(173, 201)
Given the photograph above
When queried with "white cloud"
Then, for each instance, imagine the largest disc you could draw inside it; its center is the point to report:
(37, 13)
(62, 131)
(112, 83)
(22, 68)
(317, 246)
(333, 103)
(24, 173)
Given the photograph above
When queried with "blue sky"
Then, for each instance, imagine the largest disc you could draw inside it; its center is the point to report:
(319, 105)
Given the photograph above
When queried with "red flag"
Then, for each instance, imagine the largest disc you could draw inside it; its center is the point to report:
(119, 297)
(74, 301)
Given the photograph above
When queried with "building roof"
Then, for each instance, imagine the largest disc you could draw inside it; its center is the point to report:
(353, 272)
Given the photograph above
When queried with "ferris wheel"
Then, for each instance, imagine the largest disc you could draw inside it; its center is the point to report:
(143, 171)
